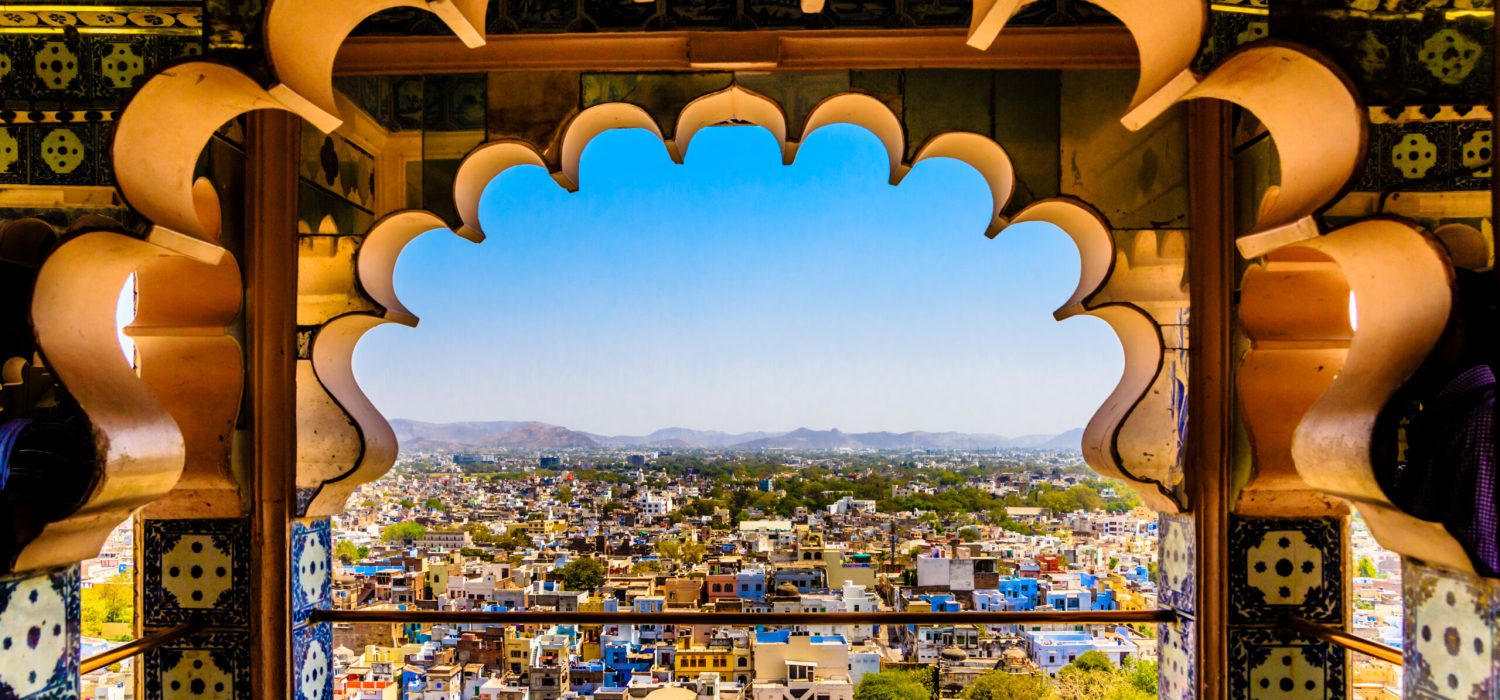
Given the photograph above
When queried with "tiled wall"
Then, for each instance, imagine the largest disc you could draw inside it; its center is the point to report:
(196, 569)
(39, 635)
(65, 70)
(1176, 589)
(1286, 567)
(312, 643)
(1450, 634)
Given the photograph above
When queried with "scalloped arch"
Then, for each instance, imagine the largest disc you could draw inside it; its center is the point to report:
(303, 38)
(864, 111)
(731, 105)
(591, 122)
(1167, 36)
(1404, 283)
(154, 165)
(480, 168)
(343, 440)
(1126, 438)
(1319, 133)
(983, 154)
(182, 403)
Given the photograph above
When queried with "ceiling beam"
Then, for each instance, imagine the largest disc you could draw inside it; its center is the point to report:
(1090, 47)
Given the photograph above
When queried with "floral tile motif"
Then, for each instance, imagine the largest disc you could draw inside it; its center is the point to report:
(39, 634)
(1176, 675)
(192, 567)
(1175, 572)
(209, 665)
(1449, 635)
(1271, 663)
(312, 667)
(1286, 567)
(312, 552)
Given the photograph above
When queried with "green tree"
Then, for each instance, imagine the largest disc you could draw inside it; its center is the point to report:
(681, 551)
(892, 685)
(405, 532)
(113, 601)
(434, 503)
(1142, 674)
(582, 574)
(345, 551)
(1366, 568)
(1092, 661)
(406, 503)
(999, 685)
(481, 533)
(565, 494)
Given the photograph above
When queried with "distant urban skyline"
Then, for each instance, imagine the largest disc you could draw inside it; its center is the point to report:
(735, 294)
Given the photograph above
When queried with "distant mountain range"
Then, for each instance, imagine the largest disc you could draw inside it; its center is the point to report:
(532, 435)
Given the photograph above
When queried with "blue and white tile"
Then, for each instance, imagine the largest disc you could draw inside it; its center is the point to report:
(312, 661)
(312, 557)
(1176, 567)
(196, 568)
(1449, 635)
(39, 635)
(1270, 663)
(208, 665)
(1283, 567)
(1176, 677)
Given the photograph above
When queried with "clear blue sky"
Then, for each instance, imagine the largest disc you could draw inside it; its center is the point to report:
(734, 293)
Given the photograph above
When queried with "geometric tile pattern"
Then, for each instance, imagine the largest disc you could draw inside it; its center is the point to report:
(311, 558)
(1279, 567)
(1273, 663)
(204, 665)
(1177, 653)
(59, 91)
(1430, 156)
(1176, 567)
(39, 635)
(1450, 634)
(1282, 567)
(195, 568)
(1176, 572)
(312, 661)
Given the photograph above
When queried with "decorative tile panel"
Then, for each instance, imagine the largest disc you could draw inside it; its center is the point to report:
(1271, 663)
(196, 567)
(1450, 634)
(39, 635)
(1176, 571)
(312, 668)
(1286, 567)
(312, 556)
(1176, 677)
(208, 665)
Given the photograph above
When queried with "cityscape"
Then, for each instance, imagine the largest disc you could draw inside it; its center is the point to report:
(549, 519)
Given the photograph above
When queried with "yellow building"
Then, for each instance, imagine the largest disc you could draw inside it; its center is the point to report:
(720, 656)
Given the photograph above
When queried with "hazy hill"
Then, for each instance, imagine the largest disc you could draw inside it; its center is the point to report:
(418, 435)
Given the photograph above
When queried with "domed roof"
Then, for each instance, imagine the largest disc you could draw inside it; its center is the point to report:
(1015, 653)
(787, 590)
(955, 654)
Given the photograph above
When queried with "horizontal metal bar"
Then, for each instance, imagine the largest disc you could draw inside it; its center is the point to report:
(1341, 638)
(542, 617)
(1084, 47)
(146, 643)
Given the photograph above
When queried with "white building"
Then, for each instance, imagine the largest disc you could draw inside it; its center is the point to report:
(1051, 650)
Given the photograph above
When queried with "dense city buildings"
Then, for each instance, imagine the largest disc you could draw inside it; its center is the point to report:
(757, 532)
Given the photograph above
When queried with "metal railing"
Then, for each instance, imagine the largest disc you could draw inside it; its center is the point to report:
(144, 644)
(669, 617)
(1343, 639)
